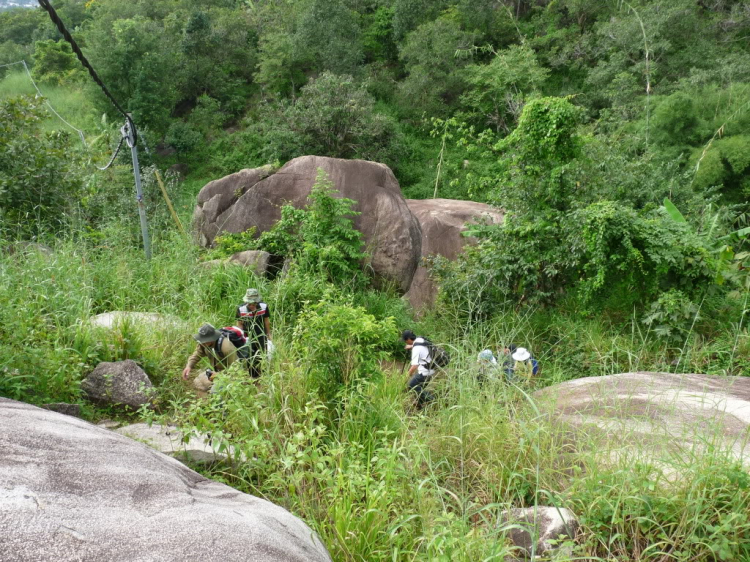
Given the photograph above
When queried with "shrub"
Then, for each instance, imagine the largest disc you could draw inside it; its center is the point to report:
(321, 237)
(340, 344)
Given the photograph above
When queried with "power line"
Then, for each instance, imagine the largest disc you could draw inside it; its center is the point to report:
(76, 49)
(46, 101)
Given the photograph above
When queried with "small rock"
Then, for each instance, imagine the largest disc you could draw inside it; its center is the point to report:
(26, 247)
(180, 170)
(63, 408)
(540, 524)
(109, 424)
(168, 440)
(257, 260)
(122, 383)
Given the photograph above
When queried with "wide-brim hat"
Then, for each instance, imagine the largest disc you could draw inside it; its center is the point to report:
(521, 354)
(207, 334)
(251, 295)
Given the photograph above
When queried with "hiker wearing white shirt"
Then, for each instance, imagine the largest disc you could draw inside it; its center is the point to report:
(420, 371)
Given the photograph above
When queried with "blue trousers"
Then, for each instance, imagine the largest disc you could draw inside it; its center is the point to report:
(417, 383)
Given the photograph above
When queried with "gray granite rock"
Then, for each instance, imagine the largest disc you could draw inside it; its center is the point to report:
(121, 383)
(662, 418)
(71, 491)
(443, 223)
(64, 408)
(531, 529)
(169, 440)
(253, 199)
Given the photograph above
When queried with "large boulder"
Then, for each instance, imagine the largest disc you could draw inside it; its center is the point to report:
(72, 491)
(662, 418)
(253, 198)
(122, 383)
(443, 222)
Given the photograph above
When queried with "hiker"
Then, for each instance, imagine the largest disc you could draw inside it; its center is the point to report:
(519, 363)
(254, 318)
(488, 366)
(221, 347)
(421, 371)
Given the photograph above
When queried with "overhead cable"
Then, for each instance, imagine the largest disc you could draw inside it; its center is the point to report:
(76, 49)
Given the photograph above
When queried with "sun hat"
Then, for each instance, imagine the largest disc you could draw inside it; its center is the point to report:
(486, 355)
(252, 295)
(521, 354)
(207, 333)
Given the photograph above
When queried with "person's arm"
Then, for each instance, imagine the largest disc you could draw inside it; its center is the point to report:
(193, 361)
(414, 360)
(267, 326)
(240, 323)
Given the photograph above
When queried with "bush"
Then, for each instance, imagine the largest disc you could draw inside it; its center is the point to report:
(183, 137)
(321, 237)
(341, 344)
(41, 180)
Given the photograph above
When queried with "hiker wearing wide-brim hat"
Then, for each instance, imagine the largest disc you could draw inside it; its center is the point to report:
(219, 350)
(254, 317)
(522, 364)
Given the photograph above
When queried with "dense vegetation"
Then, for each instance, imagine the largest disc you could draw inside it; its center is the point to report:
(614, 135)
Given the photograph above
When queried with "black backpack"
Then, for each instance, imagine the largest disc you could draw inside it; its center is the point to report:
(439, 358)
(237, 338)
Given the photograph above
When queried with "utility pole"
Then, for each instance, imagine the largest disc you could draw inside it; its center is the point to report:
(127, 132)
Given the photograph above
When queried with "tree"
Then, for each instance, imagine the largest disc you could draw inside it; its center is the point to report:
(429, 56)
(328, 36)
(497, 91)
(336, 117)
(55, 63)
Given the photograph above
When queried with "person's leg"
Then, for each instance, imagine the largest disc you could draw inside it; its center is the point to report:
(254, 362)
(417, 384)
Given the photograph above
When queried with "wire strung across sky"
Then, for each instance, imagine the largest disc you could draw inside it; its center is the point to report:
(46, 101)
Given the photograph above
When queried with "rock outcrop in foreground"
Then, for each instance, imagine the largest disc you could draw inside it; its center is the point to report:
(72, 491)
(660, 417)
(443, 222)
(253, 198)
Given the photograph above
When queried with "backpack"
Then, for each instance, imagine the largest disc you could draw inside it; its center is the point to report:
(439, 358)
(238, 339)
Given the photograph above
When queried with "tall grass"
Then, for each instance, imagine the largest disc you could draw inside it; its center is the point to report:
(72, 102)
(376, 478)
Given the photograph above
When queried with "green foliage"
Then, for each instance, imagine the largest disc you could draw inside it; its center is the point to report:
(644, 254)
(321, 237)
(333, 116)
(40, 173)
(675, 120)
(328, 35)
(341, 344)
(55, 63)
(496, 92)
(672, 316)
(540, 151)
(230, 243)
(278, 70)
(183, 137)
(433, 70)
